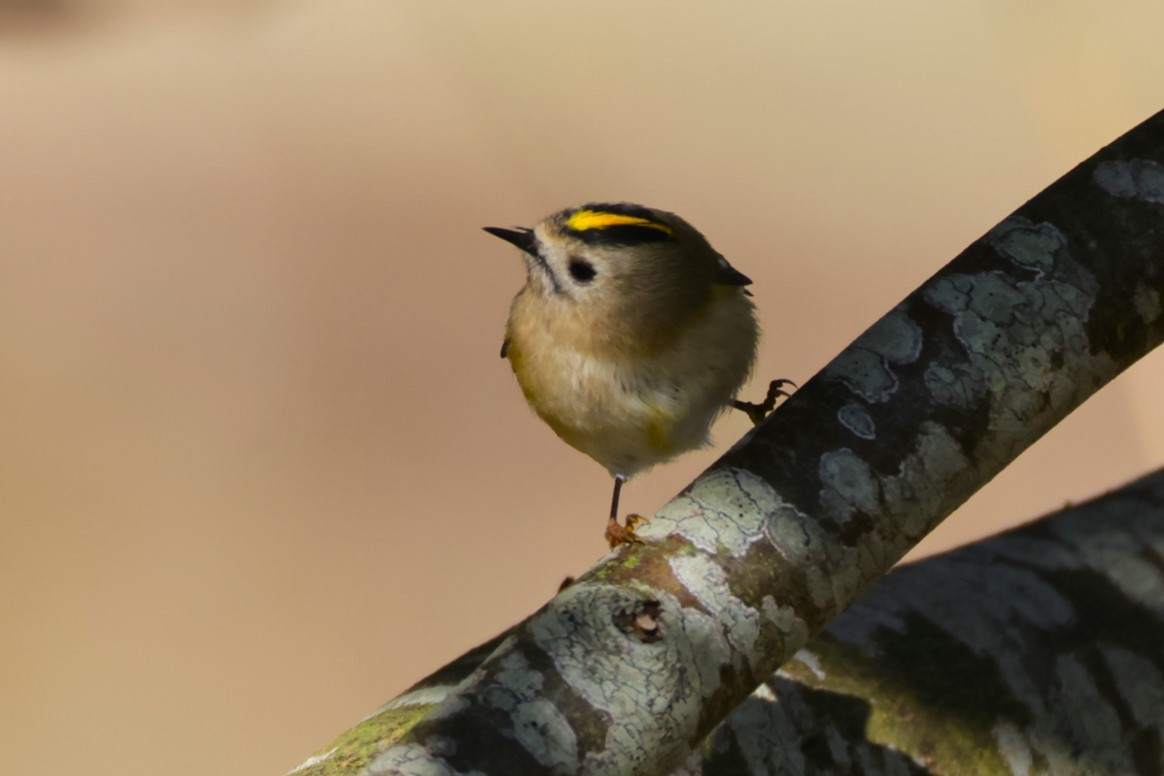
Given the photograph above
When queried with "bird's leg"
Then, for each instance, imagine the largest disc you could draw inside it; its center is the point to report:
(619, 534)
(758, 412)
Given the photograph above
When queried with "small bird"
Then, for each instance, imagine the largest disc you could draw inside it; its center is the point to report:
(630, 336)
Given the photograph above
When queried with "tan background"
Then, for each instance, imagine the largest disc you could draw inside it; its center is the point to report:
(260, 465)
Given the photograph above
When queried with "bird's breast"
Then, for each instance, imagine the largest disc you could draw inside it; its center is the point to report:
(629, 413)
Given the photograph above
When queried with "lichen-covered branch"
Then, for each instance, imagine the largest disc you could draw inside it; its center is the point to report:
(627, 670)
(1034, 652)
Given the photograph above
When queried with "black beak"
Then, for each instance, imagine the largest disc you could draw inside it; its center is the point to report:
(523, 238)
(730, 276)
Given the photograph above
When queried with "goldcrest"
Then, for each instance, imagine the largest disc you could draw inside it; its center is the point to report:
(630, 336)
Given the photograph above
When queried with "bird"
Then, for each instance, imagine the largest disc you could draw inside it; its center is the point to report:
(631, 335)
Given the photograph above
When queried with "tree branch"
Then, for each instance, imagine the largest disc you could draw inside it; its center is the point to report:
(1034, 652)
(627, 670)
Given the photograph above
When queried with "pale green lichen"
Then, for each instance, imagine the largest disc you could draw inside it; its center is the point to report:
(708, 582)
(867, 366)
(848, 485)
(1132, 179)
(725, 509)
(538, 725)
(357, 748)
(855, 418)
(948, 735)
(616, 672)
(1147, 303)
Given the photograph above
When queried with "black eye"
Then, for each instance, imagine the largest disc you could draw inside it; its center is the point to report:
(582, 270)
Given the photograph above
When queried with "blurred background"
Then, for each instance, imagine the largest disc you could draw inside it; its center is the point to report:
(260, 465)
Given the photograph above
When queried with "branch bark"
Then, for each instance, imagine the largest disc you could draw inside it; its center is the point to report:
(1033, 652)
(627, 670)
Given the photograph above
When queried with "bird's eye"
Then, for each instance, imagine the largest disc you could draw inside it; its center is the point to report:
(582, 270)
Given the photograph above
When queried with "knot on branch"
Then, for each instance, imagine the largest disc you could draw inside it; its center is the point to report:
(642, 621)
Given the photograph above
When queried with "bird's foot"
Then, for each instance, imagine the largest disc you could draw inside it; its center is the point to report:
(757, 412)
(619, 534)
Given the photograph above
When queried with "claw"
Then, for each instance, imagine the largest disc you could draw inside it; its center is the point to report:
(757, 412)
(618, 534)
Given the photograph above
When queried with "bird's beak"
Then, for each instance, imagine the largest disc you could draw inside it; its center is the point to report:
(523, 238)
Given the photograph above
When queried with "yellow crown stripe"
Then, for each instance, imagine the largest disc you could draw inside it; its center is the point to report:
(584, 220)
